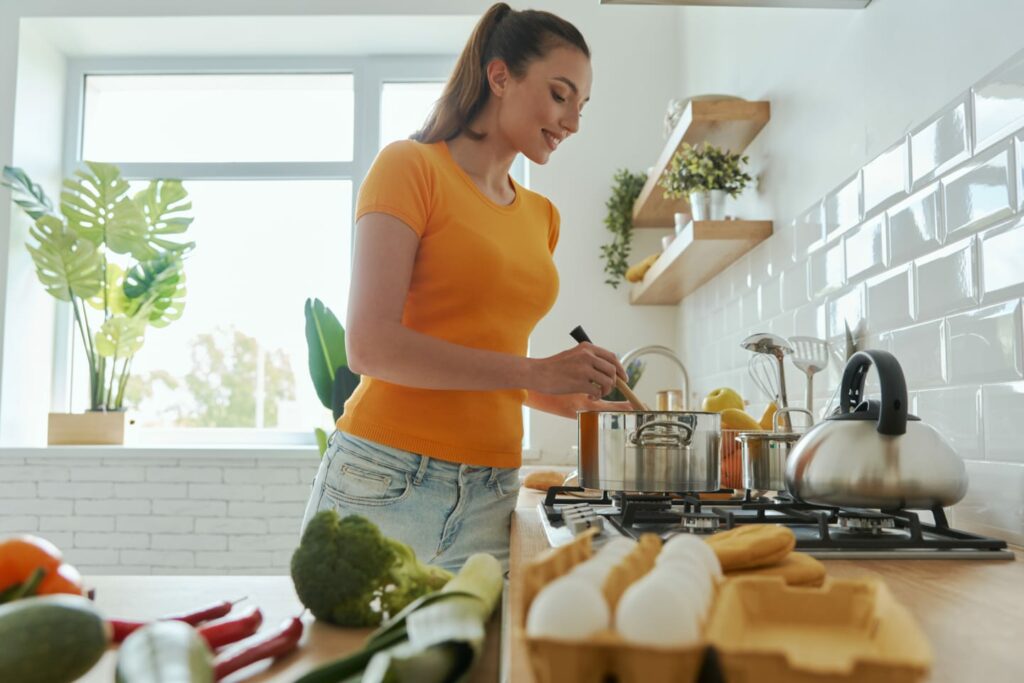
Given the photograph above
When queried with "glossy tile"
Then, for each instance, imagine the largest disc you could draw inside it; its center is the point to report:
(985, 345)
(998, 102)
(947, 280)
(921, 350)
(843, 206)
(1002, 262)
(956, 414)
(914, 225)
(865, 248)
(994, 504)
(794, 286)
(940, 144)
(844, 309)
(808, 228)
(760, 263)
(885, 177)
(770, 293)
(751, 309)
(780, 249)
(1003, 406)
(979, 194)
(890, 299)
(809, 321)
(827, 268)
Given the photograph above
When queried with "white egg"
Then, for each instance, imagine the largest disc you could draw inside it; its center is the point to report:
(570, 608)
(593, 570)
(653, 612)
(687, 544)
(689, 578)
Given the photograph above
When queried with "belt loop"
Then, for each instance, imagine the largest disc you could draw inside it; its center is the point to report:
(492, 480)
(421, 471)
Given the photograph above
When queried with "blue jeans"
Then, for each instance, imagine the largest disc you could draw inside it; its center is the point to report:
(443, 510)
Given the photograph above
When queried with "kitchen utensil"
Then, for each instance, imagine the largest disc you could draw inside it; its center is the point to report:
(649, 451)
(872, 453)
(762, 371)
(773, 345)
(765, 454)
(811, 355)
(669, 399)
(580, 336)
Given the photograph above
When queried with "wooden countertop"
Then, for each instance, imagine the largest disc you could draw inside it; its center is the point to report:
(972, 611)
(147, 597)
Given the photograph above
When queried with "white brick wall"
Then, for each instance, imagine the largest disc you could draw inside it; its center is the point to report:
(139, 513)
(940, 287)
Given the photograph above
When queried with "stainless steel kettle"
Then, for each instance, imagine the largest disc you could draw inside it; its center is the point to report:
(874, 454)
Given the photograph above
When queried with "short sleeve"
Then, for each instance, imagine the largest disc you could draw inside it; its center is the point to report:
(553, 229)
(398, 184)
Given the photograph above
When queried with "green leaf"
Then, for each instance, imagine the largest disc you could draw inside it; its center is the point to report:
(619, 221)
(120, 336)
(345, 382)
(325, 339)
(28, 195)
(321, 440)
(66, 264)
(90, 202)
(158, 285)
(116, 302)
(161, 208)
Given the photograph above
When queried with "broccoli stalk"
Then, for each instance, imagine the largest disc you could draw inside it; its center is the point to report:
(348, 573)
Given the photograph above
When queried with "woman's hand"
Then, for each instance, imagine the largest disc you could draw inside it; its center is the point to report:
(583, 369)
(605, 406)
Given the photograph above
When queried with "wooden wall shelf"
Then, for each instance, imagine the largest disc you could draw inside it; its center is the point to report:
(730, 124)
(698, 253)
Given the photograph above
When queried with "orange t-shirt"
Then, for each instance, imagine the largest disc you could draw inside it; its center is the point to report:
(483, 277)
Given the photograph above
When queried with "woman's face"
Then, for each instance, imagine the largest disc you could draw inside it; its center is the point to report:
(540, 110)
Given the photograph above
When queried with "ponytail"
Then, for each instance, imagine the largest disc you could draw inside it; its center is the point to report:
(518, 38)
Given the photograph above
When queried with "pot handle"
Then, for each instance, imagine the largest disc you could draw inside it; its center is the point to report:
(892, 418)
(637, 437)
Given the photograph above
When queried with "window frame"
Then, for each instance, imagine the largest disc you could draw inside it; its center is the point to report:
(369, 73)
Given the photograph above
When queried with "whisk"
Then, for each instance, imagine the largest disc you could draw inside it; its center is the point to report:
(762, 370)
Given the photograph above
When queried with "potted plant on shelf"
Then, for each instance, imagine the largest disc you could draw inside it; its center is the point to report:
(619, 221)
(328, 363)
(704, 175)
(115, 257)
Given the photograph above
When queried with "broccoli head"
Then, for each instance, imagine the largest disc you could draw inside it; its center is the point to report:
(348, 573)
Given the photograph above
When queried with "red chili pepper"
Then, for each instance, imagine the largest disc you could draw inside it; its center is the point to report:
(274, 644)
(124, 627)
(228, 630)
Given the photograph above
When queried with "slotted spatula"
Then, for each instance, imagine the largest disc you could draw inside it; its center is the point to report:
(810, 355)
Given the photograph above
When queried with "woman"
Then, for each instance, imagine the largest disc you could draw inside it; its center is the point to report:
(452, 270)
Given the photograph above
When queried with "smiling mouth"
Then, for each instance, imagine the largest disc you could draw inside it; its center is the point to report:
(552, 140)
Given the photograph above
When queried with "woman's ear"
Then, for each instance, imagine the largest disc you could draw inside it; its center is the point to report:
(498, 76)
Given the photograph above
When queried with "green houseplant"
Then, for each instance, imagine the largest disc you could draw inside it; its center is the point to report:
(619, 221)
(705, 175)
(328, 362)
(116, 257)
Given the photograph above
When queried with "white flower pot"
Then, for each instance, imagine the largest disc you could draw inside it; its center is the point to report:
(708, 205)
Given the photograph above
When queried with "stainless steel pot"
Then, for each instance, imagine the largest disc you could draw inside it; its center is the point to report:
(765, 454)
(874, 454)
(649, 451)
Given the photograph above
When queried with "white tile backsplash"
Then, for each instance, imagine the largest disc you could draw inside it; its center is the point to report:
(946, 280)
(935, 276)
(985, 345)
(914, 225)
(940, 144)
(979, 194)
(885, 177)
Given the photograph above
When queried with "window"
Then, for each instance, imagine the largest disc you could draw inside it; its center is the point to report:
(272, 162)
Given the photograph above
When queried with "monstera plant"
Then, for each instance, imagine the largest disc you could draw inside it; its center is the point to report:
(116, 257)
(328, 362)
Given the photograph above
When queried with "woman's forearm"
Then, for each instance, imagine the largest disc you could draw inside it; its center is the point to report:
(397, 354)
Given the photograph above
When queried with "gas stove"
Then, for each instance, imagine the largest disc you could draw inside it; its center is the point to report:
(821, 531)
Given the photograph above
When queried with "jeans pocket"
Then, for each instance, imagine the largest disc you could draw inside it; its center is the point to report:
(506, 482)
(364, 483)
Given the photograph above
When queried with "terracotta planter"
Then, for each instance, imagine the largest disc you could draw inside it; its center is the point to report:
(94, 427)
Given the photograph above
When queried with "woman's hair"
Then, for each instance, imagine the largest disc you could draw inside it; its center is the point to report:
(516, 36)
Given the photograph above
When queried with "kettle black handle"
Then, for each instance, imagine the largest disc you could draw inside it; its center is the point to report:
(892, 418)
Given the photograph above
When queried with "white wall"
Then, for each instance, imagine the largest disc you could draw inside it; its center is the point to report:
(845, 88)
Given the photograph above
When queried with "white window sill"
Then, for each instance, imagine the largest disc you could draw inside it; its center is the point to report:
(152, 452)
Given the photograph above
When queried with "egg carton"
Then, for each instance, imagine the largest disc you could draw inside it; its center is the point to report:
(605, 653)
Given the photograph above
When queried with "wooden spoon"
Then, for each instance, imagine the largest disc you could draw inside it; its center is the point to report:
(580, 336)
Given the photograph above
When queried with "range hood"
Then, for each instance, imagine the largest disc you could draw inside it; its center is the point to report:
(802, 4)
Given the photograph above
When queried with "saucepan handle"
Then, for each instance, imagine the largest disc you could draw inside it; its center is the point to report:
(892, 418)
(637, 437)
